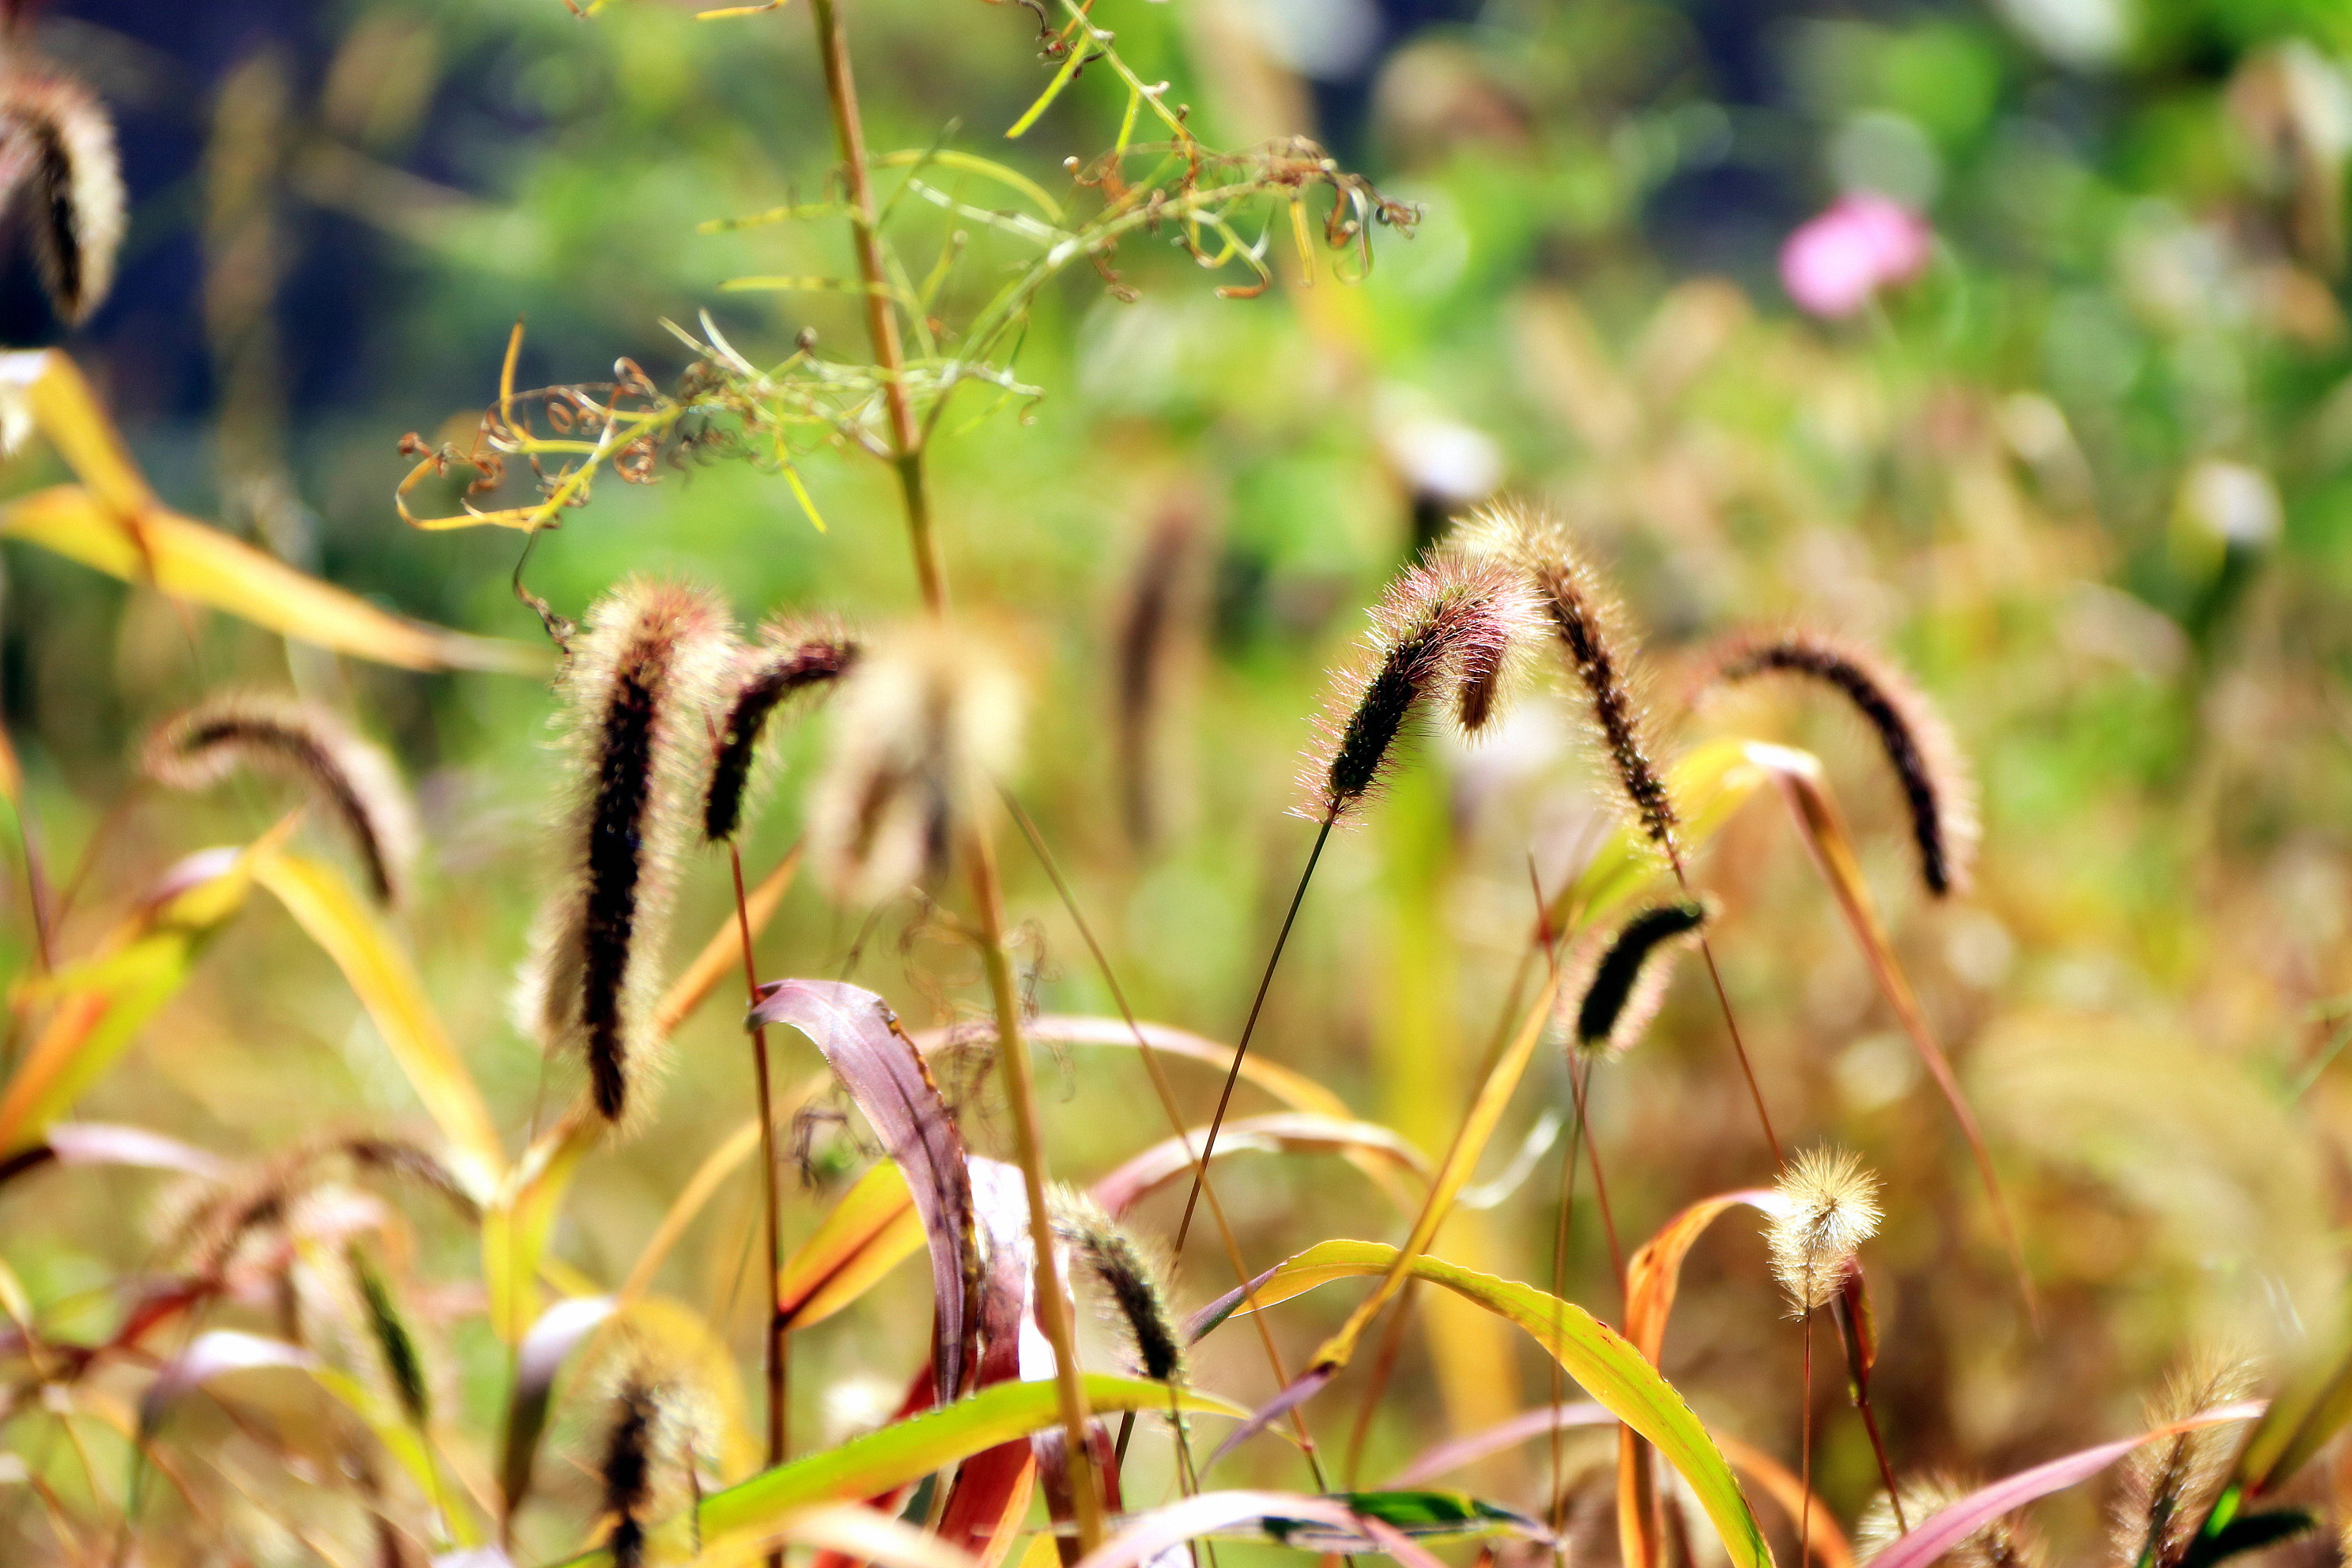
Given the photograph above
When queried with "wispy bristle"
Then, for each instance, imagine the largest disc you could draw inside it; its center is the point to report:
(1445, 628)
(638, 693)
(306, 742)
(208, 1223)
(2005, 1542)
(1826, 1206)
(56, 140)
(926, 724)
(1616, 982)
(1917, 743)
(1131, 1276)
(2168, 1486)
(395, 1346)
(1583, 619)
(789, 658)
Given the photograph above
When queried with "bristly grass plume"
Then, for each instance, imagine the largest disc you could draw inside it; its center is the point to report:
(1616, 982)
(1584, 618)
(1936, 790)
(1827, 1206)
(300, 740)
(1445, 631)
(928, 721)
(57, 157)
(2005, 1542)
(1134, 1280)
(790, 657)
(2168, 1486)
(637, 693)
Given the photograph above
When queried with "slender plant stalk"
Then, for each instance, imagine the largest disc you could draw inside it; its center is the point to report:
(771, 1202)
(1166, 1093)
(1730, 1022)
(1384, 1363)
(1233, 1075)
(1582, 1086)
(1805, 1445)
(1020, 1090)
(906, 459)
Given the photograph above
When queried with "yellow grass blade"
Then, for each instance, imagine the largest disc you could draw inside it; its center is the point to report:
(324, 904)
(68, 413)
(870, 1231)
(516, 1223)
(190, 561)
(141, 966)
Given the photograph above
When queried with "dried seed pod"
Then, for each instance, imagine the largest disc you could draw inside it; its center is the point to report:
(1585, 621)
(57, 143)
(1918, 744)
(1135, 1280)
(1445, 630)
(638, 693)
(2007, 1543)
(306, 742)
(789, 658)
(1827, 1206)
(2168, 1486)
(1616, 982)
(927, 722)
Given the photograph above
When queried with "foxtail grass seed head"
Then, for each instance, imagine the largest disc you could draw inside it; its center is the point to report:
(926, 724)
(300, 740)
(788, 659)
(1826, 1206)
(1616, 981)
(1584, 621)
(57, 157)
(2005, 1542)
(1130, 1273)
(1937, 789)
(1445, 631)
(625, 1469)
(2169, 1485)
(638, 694)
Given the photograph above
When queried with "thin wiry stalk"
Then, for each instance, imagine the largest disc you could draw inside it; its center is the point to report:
(1805, 1447)
(1257, 1004)
(906, 460)
(1157, 1071)
(776, 1341)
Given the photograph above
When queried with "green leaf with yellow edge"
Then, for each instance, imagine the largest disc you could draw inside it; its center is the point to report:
(516, 1222)
(190, 561)
(915, 1446)
(1605, 1364)
(324, 904)
(869, 1232)
(101, 1006)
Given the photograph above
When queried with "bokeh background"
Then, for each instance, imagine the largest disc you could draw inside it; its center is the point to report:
(2087, 471)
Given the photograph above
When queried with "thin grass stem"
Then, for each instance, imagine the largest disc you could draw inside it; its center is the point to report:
(775, 1342)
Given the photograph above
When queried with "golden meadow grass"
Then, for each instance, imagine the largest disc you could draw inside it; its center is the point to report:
(455, 1321)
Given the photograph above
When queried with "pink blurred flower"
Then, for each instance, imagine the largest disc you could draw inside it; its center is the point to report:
(1833, 263)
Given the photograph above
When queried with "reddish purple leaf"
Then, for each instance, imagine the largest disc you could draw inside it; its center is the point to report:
(1938, 1533)
(1457, 1452)
(860, 1039)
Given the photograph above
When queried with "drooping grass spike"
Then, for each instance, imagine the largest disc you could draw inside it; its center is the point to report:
(57, 157)
(1918, 744)
(300, 740)
(639, 691)
(789, 658)
(1584, 619)
(1617, 982)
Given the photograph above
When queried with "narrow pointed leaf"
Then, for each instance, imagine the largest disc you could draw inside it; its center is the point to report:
(190, 561)
(1295, 1090)
(520, 1216)
(1934, 1536)
(860, 1239)
(1603, 1364)
(1277, 1514)
(1379, 1150)
(324, 904)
